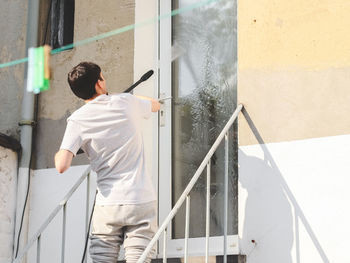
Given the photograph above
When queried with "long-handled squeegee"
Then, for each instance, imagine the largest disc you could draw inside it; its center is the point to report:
(144, 77)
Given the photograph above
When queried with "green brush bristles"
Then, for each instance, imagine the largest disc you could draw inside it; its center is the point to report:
(38, 77)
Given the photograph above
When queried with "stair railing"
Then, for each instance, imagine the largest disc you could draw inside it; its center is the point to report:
(185, 196)
(62, 205)
(163, 228)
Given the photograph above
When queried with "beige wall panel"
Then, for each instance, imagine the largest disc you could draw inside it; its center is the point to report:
(294, 68)
(276, 34)
(293, 105)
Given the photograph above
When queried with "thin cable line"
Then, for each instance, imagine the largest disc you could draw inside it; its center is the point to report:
(117, 31)
(14, 62)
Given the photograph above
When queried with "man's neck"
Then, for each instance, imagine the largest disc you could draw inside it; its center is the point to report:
(94, 97)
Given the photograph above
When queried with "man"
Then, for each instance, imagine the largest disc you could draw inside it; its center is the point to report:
(108, 129)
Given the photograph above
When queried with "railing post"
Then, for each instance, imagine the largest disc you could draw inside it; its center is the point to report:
(87, 202)
(52, 215)
(87, 208)
(226, 197)
(38, 245)
(164, 245)
(207, 223)
(64, 232)
(187, 225)
(192, 182)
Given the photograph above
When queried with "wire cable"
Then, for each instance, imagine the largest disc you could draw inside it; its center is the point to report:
(24, 209)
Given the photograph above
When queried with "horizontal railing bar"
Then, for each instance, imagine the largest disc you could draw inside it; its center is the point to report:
(52, 216)
(191, 183)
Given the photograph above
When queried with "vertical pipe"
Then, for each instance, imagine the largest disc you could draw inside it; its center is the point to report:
(38, 245)
(64, 232)
(187, 225)
(28, 100)
(164, 245)
(207, 221)
(26, 127)
(226, 198)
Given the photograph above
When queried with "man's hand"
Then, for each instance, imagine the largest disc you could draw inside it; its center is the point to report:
(63, 160)
(155, 103)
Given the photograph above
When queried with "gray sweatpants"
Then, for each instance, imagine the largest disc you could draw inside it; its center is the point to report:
(113, 225)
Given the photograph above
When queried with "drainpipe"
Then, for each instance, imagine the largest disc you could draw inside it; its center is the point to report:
(26, 125)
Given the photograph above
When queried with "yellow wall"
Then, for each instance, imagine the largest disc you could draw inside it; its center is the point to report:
(294, 68)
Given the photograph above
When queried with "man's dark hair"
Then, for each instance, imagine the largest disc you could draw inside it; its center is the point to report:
(82, 79)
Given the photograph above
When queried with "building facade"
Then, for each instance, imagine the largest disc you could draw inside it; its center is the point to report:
(286, 62)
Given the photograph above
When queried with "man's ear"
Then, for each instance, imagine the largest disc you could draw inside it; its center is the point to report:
(98, 88)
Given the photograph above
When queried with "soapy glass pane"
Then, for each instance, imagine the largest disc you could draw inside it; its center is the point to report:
(204, 61)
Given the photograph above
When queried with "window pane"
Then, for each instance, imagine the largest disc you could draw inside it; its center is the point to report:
(204, 97)
(62, 22)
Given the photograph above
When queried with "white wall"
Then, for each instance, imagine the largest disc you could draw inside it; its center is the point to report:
(8, 188)
(48, 189)
(294, 201)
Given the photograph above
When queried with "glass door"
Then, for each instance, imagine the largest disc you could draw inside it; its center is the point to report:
(198, 69)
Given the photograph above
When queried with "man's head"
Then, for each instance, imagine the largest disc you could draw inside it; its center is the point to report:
(86, 80)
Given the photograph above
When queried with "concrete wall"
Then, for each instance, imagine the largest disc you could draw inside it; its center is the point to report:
(13, 19)
(293, 78)
(8, 188)
(114, 55)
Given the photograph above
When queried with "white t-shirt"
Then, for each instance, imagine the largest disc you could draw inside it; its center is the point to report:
(108, 129)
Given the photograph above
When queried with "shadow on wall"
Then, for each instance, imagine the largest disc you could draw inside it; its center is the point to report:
(268, 230)
(268, 223)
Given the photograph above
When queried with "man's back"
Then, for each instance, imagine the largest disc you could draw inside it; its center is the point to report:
(108, 129)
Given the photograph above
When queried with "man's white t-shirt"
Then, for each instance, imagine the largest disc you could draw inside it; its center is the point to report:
(108, 129)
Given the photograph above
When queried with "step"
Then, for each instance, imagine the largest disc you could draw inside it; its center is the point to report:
(212, 259)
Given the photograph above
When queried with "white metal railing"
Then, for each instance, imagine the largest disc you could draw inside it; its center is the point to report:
(62, 205)
(163, 228)
(185, 196)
